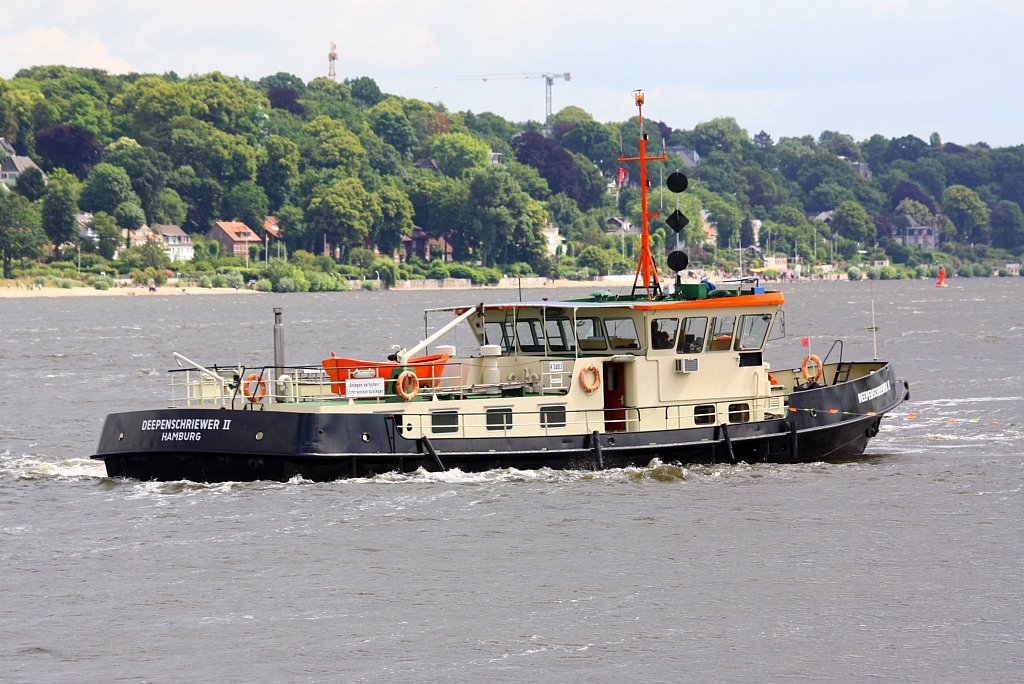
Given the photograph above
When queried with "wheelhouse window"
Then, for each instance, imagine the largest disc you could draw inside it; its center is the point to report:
(442, 422)
(704, 414)
(721, 333)
(552, 417)
(663, 333)
(692, 339)
(752, 331)
(622, 333)
(530, 334)
(739, 413)
(560, 337)
(499, 419)
(590, 333)
(499, 333)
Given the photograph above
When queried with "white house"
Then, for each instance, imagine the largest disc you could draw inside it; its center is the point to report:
(177, 243)
(554, 239)
(917, 234)
(13, 167)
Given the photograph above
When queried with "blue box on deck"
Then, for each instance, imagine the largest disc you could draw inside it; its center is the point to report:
(757, 290)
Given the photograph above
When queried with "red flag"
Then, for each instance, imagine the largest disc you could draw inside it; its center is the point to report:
(622, 175)
(805, 342)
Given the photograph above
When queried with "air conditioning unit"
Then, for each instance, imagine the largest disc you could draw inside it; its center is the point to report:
(686, 365)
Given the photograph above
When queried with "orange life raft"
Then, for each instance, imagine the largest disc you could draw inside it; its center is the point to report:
(429, 370)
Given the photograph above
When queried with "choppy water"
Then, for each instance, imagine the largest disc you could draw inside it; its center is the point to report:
(903, 566)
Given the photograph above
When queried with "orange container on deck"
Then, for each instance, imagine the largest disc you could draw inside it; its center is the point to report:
(429, 370)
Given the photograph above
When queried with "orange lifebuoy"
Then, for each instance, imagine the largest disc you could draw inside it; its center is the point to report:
(407, 385)
(811, 358)
(257, 391)
(590, 387)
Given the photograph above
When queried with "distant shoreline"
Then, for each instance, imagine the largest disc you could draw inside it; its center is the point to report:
(14, 292)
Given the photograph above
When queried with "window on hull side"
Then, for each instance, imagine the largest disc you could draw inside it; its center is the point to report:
(704, 415)
(552, 417)
(739, 413)
(443, 422)
(499, 419)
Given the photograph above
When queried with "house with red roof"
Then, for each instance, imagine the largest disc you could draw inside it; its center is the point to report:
(234, 237)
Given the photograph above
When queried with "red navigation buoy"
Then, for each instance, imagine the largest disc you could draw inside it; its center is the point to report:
(942, 277)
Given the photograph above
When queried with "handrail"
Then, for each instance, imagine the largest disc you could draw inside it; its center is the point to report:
(831, 349)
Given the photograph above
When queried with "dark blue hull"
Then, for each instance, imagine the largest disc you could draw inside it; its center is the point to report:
(828, 423)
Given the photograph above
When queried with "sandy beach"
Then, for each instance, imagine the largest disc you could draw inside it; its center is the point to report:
(15, 291)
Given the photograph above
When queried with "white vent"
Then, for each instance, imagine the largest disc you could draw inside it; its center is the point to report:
(686, 365)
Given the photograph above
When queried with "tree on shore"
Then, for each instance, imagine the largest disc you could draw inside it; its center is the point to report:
(20, 235)
(59, 210)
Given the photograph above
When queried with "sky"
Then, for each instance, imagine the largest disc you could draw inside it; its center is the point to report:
(894, 67)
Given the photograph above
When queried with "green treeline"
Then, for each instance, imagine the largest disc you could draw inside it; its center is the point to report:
(346, 167)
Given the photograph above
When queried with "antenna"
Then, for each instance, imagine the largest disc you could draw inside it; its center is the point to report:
(645, 267)
(332, 57)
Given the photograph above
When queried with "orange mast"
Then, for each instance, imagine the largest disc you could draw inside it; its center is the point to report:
(645, 267)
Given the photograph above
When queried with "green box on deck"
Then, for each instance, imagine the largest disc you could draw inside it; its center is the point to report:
(694, 291)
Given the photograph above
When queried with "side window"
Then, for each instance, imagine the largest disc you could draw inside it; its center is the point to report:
(531, 337)
(721, 333)
(590, 334)
(622, 333)
(663, 333)
(442, 422)
(499, 419)
(497, 333)
(704, 415)
(560, 337)
(692, 339)
(570, 338)
(739, 413)
(752, 332)
(552, 416)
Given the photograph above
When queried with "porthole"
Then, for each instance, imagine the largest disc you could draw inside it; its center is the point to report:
(259, 436)
(366, 436)
(121, 436)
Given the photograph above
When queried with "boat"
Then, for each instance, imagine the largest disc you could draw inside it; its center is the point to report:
(674, 374)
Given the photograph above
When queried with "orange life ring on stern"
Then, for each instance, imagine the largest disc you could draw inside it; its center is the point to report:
(258, 391)
(407, 385)
(817, 362)
(590, 387)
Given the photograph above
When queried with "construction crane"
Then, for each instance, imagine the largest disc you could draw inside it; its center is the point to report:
(549, 79)
(332, 57)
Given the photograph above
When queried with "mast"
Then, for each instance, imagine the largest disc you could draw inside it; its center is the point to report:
(645, 268)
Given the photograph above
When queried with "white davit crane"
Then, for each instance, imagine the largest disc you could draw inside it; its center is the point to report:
(549, 79)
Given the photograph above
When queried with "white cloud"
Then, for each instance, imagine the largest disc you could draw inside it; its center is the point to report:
(39, 45)
(797, 66)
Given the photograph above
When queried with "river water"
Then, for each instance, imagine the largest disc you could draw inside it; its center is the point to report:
(905, 565)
